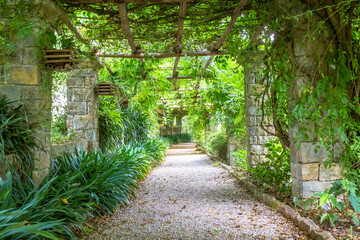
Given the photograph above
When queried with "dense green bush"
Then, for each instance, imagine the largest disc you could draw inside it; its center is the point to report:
(218, 144)
(177, 138)
(135, 125)
(109, 124)
(16, 133)
(121, 126)
(76, 188)
(276, 171)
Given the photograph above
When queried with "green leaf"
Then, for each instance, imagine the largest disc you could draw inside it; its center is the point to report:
(323, 199)
(324, 217)
(354, 201)
(355, 219)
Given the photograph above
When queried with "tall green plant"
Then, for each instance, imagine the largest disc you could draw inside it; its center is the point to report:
(110, 123)
(16, 135)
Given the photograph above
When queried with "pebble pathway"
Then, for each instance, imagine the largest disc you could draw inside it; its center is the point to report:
(189, 198)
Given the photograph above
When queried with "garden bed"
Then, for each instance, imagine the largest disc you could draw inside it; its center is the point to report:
(341, 230)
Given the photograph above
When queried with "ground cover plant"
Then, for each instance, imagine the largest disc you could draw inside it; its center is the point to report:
(177, 138)
(76, 188)
(274, 172)
(217, 145)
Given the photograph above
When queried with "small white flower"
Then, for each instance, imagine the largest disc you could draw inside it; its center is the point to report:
(294, 199)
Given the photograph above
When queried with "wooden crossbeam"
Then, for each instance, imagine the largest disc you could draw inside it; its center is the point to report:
(182, 12)
(221, 40)
(175, 72)
(231, 25)
(207, 64)
(123, 1)
(126, 27)
(162, 55)
(177, 44)
(183, 77)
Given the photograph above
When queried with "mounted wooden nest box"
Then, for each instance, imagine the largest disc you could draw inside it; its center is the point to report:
(105, 88)
(59, 59)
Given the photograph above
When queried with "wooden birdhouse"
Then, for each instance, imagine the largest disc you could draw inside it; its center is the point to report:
(105, 88)
(59, 59)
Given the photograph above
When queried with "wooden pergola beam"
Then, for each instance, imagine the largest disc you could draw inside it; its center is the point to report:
(162, 55)
(126, 27)
(221, 40)
(123, 1)
(231, 25)
(175, 72)
(182, 12)
(183, 77)
(207, 64)
(178, 46)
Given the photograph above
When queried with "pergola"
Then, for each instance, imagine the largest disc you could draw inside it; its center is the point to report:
(117, 12)
(182, 28)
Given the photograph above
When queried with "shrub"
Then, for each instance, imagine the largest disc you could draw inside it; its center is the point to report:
(135, 125)
(177, 138)
(218, 144)
(276, 172)
(117, 127)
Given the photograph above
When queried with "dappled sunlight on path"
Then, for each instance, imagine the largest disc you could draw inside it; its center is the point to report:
(188, 198)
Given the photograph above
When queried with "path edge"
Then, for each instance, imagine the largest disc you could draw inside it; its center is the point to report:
(304, 224)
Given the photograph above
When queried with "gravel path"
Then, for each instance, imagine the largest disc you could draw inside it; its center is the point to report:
(188, 198)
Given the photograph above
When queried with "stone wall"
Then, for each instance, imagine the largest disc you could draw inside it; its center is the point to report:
(70, 148)
(23, 79)
(256, 136)
(82, 103)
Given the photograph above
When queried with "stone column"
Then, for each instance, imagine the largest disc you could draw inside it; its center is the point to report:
(256, 136)
(82, 103)
(24, 80)
(308, 171)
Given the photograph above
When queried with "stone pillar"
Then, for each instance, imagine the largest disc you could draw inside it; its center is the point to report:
(24, 80)
(256, 137)
(308, 172)
(82, 103)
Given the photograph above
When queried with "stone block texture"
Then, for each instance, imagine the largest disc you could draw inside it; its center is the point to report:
(309, 174)
(82, 104)
(70, 148)
(256, 136)
(24, 80)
